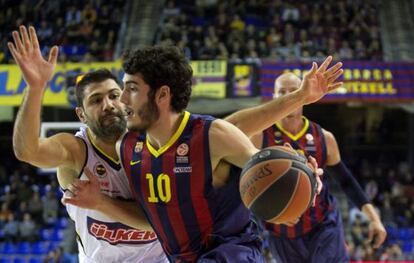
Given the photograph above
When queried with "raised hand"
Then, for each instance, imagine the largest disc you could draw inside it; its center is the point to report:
(26, 52)
(319, 81)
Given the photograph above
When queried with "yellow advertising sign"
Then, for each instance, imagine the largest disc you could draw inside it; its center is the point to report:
(209, 78)
(12, 83)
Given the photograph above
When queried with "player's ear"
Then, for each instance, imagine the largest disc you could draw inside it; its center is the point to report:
(163, 94)
(81, 114)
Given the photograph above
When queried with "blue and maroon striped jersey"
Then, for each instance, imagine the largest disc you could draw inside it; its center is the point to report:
(174, 187)
(310, 141)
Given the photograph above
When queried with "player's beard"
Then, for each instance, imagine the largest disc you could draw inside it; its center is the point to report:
(108, 127)
(148, 114)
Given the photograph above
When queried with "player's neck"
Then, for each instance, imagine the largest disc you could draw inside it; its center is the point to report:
(107, 147)
(293, 124)
(164, 128)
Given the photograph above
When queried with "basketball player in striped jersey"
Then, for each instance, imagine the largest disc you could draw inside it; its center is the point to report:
(100, 238)
(173, 159)
(318, 235)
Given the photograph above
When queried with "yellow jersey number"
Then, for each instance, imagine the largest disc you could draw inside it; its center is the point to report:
(163, 185)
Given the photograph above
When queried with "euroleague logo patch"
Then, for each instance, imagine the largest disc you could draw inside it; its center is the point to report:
(100, 170)
(182, 149)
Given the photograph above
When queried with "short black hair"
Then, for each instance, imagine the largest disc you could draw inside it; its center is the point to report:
(162, 65)
(96, 76)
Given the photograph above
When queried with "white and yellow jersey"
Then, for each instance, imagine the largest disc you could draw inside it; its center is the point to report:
(101, 239)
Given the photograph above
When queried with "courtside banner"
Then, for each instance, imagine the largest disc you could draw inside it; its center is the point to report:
(12, 83)
(364, 81)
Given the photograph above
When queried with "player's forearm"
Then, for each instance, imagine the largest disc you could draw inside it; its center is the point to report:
(27, 125)
(369, 211)
(256, 119)
(126, 212)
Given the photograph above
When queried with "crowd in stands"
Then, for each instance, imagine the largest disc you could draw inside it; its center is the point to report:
(391, 189)
(283, 30)
(32, 220)
(84, 30)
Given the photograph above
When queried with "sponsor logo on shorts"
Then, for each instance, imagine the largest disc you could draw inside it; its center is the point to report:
(117, 233)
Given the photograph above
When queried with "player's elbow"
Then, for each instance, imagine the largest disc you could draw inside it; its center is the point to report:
(23, 154)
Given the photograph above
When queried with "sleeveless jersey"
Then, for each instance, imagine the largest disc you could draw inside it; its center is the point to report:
(100, 238)
(310, 141)
(174, 186)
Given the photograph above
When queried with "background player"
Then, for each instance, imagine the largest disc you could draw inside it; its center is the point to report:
(318, 236)
(100, 238)
(173, 164)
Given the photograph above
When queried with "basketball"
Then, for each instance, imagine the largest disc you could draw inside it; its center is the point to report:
(277, 184)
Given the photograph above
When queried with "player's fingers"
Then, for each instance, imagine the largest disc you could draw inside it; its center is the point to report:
(71, 201)
(325, 64)
(73, 189)
(25, 37)
(335, 86)
(18, 43)
(33, 38)
(313, 163)
(380, 238)
(286, 144)
(335, 76)
(319, 173)
(312, 71)
(53, 55)
(333, 69)
(14, 52)
(92, 178)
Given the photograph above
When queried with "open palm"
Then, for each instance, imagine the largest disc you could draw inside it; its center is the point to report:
(26, 52)
(319, 81)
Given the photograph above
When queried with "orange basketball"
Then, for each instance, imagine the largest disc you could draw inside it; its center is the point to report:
(277, 184)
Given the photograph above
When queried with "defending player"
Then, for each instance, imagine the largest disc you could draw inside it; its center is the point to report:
(100, 238)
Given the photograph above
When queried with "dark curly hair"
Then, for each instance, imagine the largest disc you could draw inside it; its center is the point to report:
(96, 76)
(162, 65)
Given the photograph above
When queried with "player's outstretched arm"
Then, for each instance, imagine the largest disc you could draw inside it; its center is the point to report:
(316, 83)
(87, 194)
(37, 72)
(353, 190)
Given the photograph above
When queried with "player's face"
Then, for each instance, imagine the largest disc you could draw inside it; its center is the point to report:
(141, 111)
(285, 88)
(103, 110)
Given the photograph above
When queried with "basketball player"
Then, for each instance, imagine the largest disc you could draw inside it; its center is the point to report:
(100, 238)
(173, 160)
(318, 235)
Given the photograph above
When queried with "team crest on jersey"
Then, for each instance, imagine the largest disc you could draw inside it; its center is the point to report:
(138, 147)
(309, 138)
(182, 149)
(117, 233)
(100, 170)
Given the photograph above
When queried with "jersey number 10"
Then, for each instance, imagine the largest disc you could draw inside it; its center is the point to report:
(163, 185)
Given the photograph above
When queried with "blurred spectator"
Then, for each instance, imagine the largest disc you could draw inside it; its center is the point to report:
(50, 207)
(11, 229)
(35, 207)
(28, 229)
